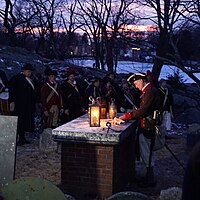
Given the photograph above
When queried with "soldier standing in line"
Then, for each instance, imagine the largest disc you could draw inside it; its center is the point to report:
(3, 80)
(4, 94)
(93, 90)
(51, 101)
(167, 104)
(22, 100)
(72, 99)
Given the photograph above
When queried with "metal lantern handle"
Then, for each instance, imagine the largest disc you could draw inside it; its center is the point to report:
(91, 99)
(98, 99)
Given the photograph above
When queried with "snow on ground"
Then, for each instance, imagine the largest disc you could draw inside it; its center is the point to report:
(131, 66)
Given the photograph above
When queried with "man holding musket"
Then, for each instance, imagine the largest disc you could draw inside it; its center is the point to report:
(150, 104)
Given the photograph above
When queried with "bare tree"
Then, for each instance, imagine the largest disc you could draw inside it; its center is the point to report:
(170, 17)
(102, 21)
(165, 17)
(69, 24)
(93, 17)
(121, 16)
(13, 19)
(47, 17)
(192, 7)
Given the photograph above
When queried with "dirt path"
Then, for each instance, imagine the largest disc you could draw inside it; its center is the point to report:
(32, 162)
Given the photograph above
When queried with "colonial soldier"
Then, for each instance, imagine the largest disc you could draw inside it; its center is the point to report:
(22, 100)
(72, 99)
(93, 89)
(150, 102)
(167, 104)
(3, 80)
(4, 95)
(51, 100)
(111, 90)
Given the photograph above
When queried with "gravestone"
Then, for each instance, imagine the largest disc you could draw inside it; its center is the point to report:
(8, 130)
(193, 134)
(46, 141)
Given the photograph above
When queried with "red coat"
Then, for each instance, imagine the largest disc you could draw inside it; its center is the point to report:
(150, 102)
(55, 99)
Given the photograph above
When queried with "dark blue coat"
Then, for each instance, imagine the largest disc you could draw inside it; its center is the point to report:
(24, 97)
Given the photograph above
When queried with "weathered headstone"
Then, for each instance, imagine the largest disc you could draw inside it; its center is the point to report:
(172, 193)
(8, 130)
(193, 134)
(46, 141)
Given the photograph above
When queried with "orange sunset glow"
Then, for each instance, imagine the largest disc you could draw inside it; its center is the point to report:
(140, 28)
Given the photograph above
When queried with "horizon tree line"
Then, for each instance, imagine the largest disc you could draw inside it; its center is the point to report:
(52, 26)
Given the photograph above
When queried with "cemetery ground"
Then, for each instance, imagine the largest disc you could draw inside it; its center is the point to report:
(31, 161)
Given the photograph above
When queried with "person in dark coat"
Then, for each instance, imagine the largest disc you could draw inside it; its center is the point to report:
(93, 90)
(131, 98)
(150, 103)
(22, 100)
(4, 104)
(3, 80)
(167, 104)
(72, 99)
(111, 90)
(191, 181)
(83, 81)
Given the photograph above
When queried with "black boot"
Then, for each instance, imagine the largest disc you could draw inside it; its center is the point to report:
(149, 180)
(22, 140)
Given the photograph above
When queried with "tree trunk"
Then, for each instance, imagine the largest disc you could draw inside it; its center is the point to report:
(109, 55)
(160, 53)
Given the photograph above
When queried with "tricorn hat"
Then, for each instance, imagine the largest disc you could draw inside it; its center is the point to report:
(135, 77)
(94, 79)
(47, 70)
(70, 71)
(51, 72)
(28, 66)
(111, 73)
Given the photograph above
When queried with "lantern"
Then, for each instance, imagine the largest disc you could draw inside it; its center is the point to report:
(112, 109)
(95, 111)
(103, 111)
(102, 102)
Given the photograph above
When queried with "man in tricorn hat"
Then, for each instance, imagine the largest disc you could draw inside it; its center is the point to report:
(51, 100)
(22, 100)
(93, 90)
(72, 99)
(150, 102)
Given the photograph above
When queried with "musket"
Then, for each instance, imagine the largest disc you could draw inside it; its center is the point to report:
(130, 101)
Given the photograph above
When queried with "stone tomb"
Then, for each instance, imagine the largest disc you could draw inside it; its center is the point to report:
(95, 163)
(8, 130)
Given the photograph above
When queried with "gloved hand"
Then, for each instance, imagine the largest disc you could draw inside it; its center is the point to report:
(118, 121)
(46, 113)
(12, 106)
(126, 116)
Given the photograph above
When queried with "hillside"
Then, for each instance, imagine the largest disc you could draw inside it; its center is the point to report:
(186, 96)
(13, 58)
